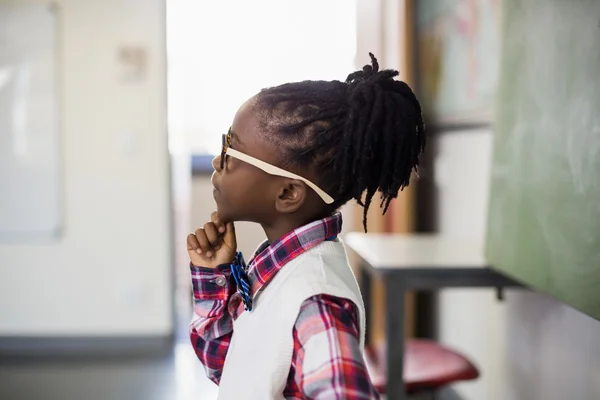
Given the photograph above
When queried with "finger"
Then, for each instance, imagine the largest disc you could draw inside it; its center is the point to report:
(204, 243)
(229, 237)
(214, 217)
(212, 235)
(192, 243)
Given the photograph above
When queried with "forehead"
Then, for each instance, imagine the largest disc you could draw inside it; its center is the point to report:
(246, 134)
(244, 129)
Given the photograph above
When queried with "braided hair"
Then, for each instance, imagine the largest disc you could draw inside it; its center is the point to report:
(359, 137)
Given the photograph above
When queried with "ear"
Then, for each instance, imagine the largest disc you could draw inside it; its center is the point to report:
(291, 196)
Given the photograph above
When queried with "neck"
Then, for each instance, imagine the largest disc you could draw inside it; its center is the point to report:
(275, 232)
(283, 226)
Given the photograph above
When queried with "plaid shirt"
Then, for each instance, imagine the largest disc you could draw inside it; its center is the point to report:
(322, 318)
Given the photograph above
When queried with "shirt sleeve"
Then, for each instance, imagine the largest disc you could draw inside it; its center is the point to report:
(212, 325)
(327, 358)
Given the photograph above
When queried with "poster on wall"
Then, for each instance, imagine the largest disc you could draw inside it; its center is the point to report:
(458, 56)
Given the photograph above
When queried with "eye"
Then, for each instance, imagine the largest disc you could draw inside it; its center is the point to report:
(226, 141)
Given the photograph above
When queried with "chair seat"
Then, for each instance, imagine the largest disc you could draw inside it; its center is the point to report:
(427, 366)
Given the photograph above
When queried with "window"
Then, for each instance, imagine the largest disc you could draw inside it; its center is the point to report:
(222, 52)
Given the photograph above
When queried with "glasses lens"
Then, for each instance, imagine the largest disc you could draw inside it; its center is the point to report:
(223, 150)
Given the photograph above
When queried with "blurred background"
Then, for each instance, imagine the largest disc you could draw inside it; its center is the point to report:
(110, 114)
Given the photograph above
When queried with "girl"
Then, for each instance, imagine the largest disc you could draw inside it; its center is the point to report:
(291, 323)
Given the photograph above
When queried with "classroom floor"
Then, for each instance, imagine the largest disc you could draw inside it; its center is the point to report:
(177, 377)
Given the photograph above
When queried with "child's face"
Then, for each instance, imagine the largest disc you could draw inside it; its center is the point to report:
(243, 192)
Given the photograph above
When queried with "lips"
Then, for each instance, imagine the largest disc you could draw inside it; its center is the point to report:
(215, 185)
(216, 192)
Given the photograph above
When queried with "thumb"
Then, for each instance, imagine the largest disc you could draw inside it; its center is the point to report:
(229, 237)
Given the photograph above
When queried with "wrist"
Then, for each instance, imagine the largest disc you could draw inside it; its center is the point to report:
(210, 268)
(212, 263)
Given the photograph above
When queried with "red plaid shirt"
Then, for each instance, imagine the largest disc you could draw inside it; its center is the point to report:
(341, 371)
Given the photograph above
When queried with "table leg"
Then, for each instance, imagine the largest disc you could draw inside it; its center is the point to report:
(394, 332)
(426, 314)
(365, 289)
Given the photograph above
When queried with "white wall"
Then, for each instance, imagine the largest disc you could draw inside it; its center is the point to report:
(528, 347)
(462, 170)
(110, 273)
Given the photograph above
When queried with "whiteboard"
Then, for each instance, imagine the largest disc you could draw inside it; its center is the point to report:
(30, 170)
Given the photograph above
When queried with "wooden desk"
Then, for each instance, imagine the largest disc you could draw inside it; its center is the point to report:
(416, 262)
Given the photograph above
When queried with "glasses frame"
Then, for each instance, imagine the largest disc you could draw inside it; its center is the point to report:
(227, 151)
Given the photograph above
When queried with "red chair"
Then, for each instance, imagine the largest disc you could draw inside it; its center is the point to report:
(428, 366)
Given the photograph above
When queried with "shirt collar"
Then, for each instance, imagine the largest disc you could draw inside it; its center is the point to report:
(270, 258)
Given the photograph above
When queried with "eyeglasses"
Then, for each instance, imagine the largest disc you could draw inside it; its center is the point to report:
(266, 167)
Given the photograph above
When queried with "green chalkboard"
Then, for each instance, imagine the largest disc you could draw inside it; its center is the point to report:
(544, 215)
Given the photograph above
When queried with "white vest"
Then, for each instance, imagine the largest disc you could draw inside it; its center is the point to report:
(260, 353)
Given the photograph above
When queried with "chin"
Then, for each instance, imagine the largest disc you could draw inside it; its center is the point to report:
(228, 216)
(224, 216)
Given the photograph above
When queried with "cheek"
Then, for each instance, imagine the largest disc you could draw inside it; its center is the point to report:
(244, 197)
(251, 193)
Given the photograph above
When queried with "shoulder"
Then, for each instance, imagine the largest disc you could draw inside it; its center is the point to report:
(323, 312)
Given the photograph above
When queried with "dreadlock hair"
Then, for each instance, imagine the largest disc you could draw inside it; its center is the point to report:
(360, 136)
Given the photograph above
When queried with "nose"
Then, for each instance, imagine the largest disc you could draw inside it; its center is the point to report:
(216, 163)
